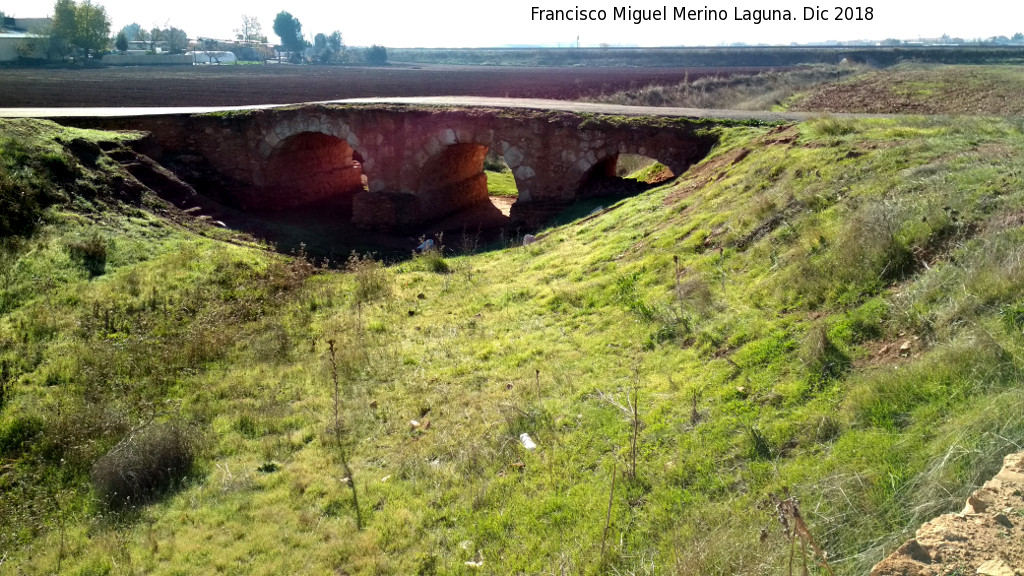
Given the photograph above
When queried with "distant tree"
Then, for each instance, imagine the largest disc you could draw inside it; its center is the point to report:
(251, 30)
(289, 29)
(176, 40)
(320, 48)
(85, 26)
(155, 35)
(122, 42)
(334, 42)
(131, 31)
(93, 27)
(377, 55)
(63, 30)
(1017, 38)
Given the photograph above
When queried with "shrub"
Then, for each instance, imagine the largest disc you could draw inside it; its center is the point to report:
(91, 252)
(17, 433)
(143, 465)
(871, 251)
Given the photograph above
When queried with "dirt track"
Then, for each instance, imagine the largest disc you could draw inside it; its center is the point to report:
(284, 84)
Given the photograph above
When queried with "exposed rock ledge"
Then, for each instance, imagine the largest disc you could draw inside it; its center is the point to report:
(986, 538)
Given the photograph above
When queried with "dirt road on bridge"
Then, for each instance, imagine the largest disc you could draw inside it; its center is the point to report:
(435, 101)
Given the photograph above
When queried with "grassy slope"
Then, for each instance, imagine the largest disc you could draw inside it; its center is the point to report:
(808, 256)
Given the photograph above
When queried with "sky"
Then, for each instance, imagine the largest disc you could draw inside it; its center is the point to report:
(461, 23)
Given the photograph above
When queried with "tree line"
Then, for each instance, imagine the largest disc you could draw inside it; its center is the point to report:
(84, 28)
(325, 48)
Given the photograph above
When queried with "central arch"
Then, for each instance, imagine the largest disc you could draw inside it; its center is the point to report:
(311, 166)
(453, 180)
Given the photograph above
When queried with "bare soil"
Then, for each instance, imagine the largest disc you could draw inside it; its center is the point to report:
(986, 537)
(974, 90)
(284, 83)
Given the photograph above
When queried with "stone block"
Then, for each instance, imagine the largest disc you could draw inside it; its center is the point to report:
(513, 157)
(524, 173)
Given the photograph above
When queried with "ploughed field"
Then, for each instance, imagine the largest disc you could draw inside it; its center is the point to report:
(230, 85)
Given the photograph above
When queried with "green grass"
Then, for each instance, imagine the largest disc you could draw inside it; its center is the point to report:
(502, 183)
(796, 265)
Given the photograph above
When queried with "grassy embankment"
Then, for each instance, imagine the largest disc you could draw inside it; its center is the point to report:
(844, 319)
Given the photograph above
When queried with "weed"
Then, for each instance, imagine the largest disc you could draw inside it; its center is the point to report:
(608, 516)
(762, 91)
(6, 384)
(787, 513)
(469, 243)
(372, 280)
(1013, 318)
(759, 447)
(823, 360)
(25, 189)
(144, 464)
(870, 252)
(431, 256)
(342, 436)
(831, 126)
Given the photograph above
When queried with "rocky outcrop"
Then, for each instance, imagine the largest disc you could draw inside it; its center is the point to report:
(985, 538)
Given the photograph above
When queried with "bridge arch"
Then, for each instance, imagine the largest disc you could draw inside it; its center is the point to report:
(325, 124)
(303, 158)
(622, 172)
(311, 166)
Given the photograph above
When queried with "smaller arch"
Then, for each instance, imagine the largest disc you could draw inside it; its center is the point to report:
(623, 174)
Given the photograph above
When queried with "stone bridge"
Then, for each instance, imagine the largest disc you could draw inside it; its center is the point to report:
(405, 165)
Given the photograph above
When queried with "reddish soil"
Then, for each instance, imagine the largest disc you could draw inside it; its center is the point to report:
(284, 83)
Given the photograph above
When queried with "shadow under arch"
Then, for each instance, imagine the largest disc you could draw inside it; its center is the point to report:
(312, 166)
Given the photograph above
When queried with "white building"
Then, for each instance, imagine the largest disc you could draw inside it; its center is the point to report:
(21, 37)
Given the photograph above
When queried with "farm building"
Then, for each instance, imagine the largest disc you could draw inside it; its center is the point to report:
(19, 37)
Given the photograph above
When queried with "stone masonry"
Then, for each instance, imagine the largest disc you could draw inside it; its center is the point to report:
(418, 163)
